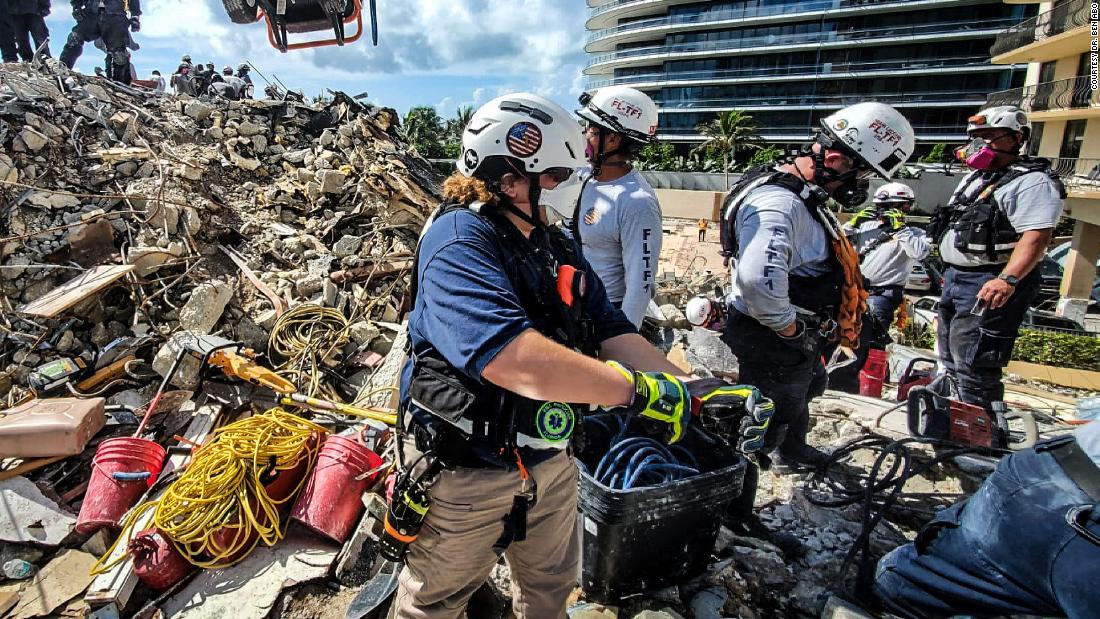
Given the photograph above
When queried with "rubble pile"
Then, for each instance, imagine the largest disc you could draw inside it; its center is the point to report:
(321, 203)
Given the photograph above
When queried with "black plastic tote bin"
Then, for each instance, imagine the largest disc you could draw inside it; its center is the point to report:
(651, 538)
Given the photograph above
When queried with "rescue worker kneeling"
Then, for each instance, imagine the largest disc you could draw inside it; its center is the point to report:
(506, 319)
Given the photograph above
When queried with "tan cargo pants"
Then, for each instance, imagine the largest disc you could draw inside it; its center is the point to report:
(453, 555)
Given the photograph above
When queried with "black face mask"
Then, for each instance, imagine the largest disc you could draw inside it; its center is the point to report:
(852, 193)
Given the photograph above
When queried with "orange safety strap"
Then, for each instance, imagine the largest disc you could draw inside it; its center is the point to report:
(853, 297)
(523, 474)
(903, 316)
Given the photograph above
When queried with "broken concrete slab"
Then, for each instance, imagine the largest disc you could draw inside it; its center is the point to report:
(34, 140)
(259, 579)
(205, 307)
(28, 516)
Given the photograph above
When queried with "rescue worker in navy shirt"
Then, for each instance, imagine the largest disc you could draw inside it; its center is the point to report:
(506, 322)
(28, 22)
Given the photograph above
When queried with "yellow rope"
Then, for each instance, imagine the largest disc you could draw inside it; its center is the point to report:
(218, 510)
(305, 336)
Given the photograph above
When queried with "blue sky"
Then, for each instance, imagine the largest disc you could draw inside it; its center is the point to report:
(444, 53)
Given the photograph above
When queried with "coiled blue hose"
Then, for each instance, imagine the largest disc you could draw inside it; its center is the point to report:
(639, 461)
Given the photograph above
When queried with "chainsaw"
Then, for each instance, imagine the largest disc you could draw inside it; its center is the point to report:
(936, 414)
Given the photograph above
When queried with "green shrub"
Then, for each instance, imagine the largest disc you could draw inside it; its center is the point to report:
(1059, 349)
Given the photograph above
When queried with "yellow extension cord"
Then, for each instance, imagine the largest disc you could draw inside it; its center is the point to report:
(304, 336)
(220, 491)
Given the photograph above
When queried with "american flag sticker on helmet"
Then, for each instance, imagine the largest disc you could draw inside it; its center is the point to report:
(524, 139)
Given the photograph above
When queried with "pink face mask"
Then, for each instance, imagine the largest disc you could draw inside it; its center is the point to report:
(589, 152)
(977, 154)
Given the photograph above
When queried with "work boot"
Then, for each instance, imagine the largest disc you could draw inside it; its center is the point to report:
(799, 460)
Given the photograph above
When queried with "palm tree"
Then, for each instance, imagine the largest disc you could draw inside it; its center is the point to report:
(731, 132)
(459, 122)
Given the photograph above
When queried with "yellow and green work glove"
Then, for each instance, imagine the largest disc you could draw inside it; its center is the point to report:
(739, 414)
(658, 396)
(863, 215)
(894, 218)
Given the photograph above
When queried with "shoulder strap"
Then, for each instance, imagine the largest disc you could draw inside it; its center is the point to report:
(753, 180)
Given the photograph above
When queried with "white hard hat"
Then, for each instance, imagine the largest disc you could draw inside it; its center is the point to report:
(875, 132)
(523, 126)
(698, 310)
(623, 110)
(1000, 117)
(893, 193)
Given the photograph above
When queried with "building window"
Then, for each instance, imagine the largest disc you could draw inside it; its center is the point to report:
(1035, 140)
(1072, 138)
(1046, 72)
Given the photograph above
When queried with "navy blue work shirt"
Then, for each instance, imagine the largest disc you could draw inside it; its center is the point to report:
(466, 308)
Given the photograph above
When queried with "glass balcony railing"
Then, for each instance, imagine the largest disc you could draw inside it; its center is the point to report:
(832, 36)
(1067, 94)
(1064, 17)
(802, 70)
(837, 100)
(1077, 174)
(808, 131)
(744, 12)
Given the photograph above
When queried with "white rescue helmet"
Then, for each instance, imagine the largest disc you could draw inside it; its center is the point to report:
(526, 127)
(875, 132)
(1000, 117)
(623, 110)
(894, 193)
(698, 310)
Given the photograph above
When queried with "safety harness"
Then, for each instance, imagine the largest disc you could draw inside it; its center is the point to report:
(980, 223)
(848, 311)
(486, 424)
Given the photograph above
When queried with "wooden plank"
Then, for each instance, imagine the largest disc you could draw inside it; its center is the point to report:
(76, 290)
(28, 466)
(116, 585)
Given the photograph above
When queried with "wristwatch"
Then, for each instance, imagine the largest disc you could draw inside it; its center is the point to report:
(1011, 280)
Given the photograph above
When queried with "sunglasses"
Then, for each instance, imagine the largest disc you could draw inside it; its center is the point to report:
(558, 175)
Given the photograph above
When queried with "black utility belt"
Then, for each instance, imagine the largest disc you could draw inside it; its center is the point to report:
(882, 289)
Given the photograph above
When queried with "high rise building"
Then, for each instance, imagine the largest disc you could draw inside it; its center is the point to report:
(1060, 96)
(791, 62)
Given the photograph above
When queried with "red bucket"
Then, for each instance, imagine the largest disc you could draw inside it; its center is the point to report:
(873, 374)
(122, 470)
(331, 502)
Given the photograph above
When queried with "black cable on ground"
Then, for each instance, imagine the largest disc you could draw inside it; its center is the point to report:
(878, 492)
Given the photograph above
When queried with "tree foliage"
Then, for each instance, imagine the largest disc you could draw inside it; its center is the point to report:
(425, 131)
(732, 132)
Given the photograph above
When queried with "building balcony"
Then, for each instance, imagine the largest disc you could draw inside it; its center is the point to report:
(1059, 100)
(1080, 176)
(801, 133)
(837, 70)
(604, 34)
(1058, 33)
(810, 101)
(605, 63)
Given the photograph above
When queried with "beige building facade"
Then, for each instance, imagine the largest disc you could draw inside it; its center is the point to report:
(1060, 95)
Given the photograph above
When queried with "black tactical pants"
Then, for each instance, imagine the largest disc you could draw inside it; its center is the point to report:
(115, 32)
(28, 26)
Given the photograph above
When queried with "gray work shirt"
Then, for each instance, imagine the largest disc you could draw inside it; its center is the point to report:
(621, 232)
(777, 236)
(1031, 202)
(889, 262)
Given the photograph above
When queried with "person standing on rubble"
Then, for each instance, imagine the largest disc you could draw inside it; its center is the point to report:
(242, 72)
(1026, 543)
(991, 235)
(158, 82)
(618, 217)
(235, 84)
(888, 248)
(28, 20)
(796, 288)
(487, 402)
(111, 20)
(8, 51)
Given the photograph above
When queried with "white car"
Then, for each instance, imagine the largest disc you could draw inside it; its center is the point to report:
(925, 312)
(918, 279)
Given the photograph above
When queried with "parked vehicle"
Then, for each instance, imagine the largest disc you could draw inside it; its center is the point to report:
(924, 312)
(918, 279)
